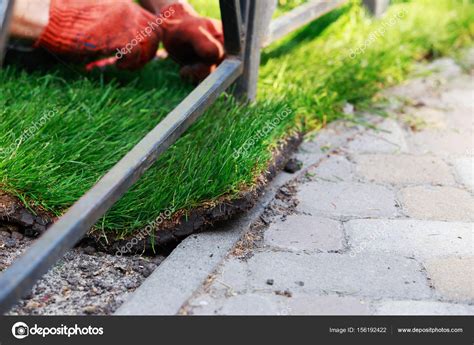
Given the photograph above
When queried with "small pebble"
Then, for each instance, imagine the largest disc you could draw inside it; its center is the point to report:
(131, 285)
(31, 305)
(90, 309)
(10, 243)
(286, 293)
(16, 235)
(89, 250)
(293, 166)
(4, 234)
(26, 218)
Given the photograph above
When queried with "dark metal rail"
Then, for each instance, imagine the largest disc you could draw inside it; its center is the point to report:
(244, 37)
(6, 10)
(377, 7)
(298, 17)
(233, 26)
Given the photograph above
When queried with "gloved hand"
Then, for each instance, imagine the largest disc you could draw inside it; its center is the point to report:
(195, 42)
(88, 29)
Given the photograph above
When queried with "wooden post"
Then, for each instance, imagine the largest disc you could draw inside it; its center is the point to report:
(377, 7)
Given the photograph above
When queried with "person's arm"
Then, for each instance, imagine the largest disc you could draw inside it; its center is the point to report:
(30, 18)
(89, 29)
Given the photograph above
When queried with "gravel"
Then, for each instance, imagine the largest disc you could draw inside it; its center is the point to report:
(84, 282)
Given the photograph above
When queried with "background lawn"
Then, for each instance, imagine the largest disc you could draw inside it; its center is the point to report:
(61, 130)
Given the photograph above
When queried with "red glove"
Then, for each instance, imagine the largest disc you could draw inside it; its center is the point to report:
(195, 42)
(90, 29)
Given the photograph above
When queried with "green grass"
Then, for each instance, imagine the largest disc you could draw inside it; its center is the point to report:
(98, 118)
(287, 5)
(211, 8)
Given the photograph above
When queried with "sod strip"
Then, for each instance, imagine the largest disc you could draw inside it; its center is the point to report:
(25, 271)
(315, 72)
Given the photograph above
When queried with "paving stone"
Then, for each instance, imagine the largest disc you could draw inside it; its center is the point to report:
(463, 119)
(453, 277)
(423, 239)
(247, 304)
(229, 279)
(445, 67)
(335, 168)
(250, 304)
(389, 137)
(456, 136)
(337, 133)
(183, 271)
(307, 304)
(204, 304)
(272, 304)
(300, 232)
(465, 171)
(377, 275)
(446, 142)
(429, 89)
(459, 97)
(403, 169)
(414, 89)
(466, 59)
(438, 203)
(333, 136)
(422, 308)
(426, 118)
(309, 154)
(346, 199)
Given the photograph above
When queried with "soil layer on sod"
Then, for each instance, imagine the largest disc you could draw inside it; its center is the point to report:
(61, 129)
